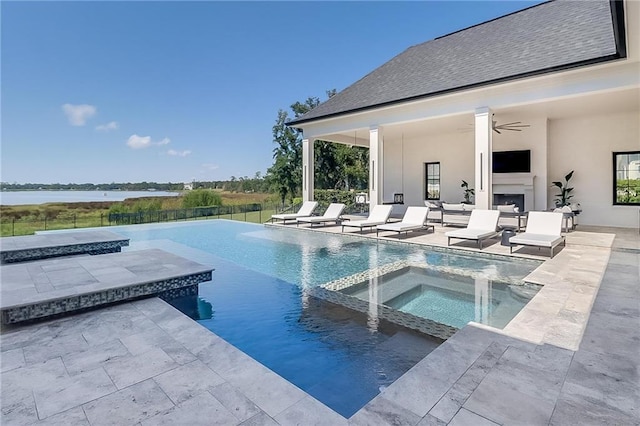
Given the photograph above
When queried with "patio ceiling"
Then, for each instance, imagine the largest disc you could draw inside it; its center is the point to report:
(610, 102)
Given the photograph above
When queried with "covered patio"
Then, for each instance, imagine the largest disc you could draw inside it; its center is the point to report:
(435, 118)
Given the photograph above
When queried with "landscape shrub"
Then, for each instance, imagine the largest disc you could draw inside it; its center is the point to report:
(324, 197)
(146, 205)
(201, 198)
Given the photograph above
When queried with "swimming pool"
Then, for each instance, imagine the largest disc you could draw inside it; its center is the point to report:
(259, 301)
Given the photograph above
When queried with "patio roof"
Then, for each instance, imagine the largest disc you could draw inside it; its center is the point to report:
(545, 38)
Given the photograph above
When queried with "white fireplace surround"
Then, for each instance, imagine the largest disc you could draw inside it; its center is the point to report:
(515, 183)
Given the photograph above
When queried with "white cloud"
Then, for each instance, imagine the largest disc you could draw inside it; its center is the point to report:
(210, 166)
(175, 153)
(112, 125)
(139, 142)
(78, 114)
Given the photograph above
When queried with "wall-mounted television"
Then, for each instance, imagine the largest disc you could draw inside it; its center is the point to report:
(512, 161)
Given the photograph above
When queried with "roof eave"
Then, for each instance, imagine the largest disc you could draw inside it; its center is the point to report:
(619, 31)
(536, 73)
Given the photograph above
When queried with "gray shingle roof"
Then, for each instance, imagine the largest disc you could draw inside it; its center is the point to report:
(545, 37)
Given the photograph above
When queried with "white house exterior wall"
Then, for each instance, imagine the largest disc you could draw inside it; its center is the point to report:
(454, 151)
(586, 145)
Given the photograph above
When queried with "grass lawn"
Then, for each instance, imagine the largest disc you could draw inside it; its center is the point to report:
(27, 219)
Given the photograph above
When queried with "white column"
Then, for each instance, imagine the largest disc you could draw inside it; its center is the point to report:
(307, 169)
(483, 149)
(375, 166)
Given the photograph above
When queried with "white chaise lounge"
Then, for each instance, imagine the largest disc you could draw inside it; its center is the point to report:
(332, 214)
(543, 230)
(414, 219)
(379, 215)
(306, 210)
(482, 225)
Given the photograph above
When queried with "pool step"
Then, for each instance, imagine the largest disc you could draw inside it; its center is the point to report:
(49, 287)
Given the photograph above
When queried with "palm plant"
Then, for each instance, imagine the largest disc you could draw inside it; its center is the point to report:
(468, 192)
(565, 192)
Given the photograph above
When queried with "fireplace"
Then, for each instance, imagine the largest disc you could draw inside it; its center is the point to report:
(502, 199)
(514, 188)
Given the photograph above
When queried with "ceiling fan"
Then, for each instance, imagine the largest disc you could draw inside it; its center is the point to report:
(515, 126)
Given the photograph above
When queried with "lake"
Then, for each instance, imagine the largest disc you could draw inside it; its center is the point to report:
(13, 198)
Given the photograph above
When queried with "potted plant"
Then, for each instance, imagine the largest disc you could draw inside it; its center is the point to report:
(565, 195)
(468, 192)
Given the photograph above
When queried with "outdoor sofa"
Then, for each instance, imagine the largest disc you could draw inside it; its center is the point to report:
(456, 214)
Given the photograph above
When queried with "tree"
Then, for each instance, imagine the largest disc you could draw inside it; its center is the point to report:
(286, 172)
(337, 166)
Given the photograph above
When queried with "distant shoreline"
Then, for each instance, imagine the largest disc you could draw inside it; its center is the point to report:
(39, 197)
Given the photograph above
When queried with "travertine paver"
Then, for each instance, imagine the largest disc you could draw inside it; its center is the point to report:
(42, 246)
(123, 369)
(479, 376)
(48, 287)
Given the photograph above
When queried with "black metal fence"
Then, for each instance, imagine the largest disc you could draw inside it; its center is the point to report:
(254, 212)
(240, 212)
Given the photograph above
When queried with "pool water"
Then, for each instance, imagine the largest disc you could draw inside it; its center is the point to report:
(258, 301)
(447, 298)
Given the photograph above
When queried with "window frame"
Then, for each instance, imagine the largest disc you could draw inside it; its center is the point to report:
(426, 180)
(614, 157)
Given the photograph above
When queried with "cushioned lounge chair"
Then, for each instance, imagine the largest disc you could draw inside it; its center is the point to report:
(332, 214)
(543, 230)
(378, 216)
(482, 225)
(414, 219)
(306, 210)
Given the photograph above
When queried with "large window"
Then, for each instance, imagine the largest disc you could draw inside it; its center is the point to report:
(626, 178)
(432, 181)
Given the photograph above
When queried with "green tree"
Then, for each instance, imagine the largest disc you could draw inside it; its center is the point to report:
(337, 166)
(286, 172)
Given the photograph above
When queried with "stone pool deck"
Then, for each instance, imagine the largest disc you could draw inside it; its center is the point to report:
(48, 287)
(145, 363)
(43, 246)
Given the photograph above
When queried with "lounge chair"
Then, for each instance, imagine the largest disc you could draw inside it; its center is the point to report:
(307, 208)
(378, 216)
(482, 225)
(414, 219)
(332, 214)
(543, 230)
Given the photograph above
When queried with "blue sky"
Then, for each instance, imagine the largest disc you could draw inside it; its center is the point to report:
(175, 91)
